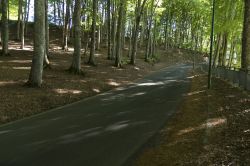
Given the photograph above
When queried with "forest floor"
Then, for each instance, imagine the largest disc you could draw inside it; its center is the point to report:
(211, 127)
(61, 87)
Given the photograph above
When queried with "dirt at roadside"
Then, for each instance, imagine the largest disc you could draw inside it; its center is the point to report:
(212, 127)
(60, 87)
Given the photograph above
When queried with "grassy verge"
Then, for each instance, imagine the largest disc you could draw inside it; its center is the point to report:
(211, 128)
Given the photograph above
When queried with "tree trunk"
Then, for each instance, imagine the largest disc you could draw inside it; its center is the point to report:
(93, 30)
(46, 62)
(118, 34)
(5, 28)
(245, 57)
(35, 77)
(22, 31)
(76, 62)
(98, 43)
(27, 16)
(20, 15)
(138, 13)
(66, 26)
(109, 28)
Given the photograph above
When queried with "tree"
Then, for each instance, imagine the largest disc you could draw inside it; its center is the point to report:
(76, 61)
(93, 31)
(5, 28)
(36, 72)
(118, 34)
(245, 58)
(138, 13)
(109, 28)
(46, 62)
(20, 14)
(66, 26)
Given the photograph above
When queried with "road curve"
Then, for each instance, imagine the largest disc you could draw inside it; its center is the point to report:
(104, 130)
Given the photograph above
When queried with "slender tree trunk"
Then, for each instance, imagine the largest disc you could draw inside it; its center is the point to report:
(36, 72)
(93, 30)
(109, 28)
(20, 13)
(66, 26)
(76, 62)
(98, 43)
(54, 11)
(5, 28)
(27, 16)
(118, 34)
(22, 31)
(138, 13)
(130, 39)
(245, 57)
(217, 50)
(46, 62)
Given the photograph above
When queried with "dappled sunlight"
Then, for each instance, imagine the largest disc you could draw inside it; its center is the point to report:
(117, 126)
(5, 131)
(211, 123)
(3, 83)
(96, 131)
(137, 94)
(21, 68)
(67, 91)
(98, 55)
(96, 90)
(246, 111)
(137, 68)
(114, 97)
(156, 83)
(194, 93)
(113, 83)
(78, 136)
(151, 84)
(19, 61)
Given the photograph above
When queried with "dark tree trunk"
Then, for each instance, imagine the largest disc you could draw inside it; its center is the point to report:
(76, 62)
(93, 30)
(109, 28)
(118, 34)
(5, 28)
(245, 57)
(138, 13)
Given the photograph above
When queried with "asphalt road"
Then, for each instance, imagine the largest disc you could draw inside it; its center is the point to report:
(104, 130)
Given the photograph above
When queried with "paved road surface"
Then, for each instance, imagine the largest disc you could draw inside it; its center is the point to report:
(100, 131)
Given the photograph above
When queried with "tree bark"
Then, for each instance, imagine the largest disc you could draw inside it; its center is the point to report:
(93, 30)
(245, 57)
(66, 26)
(118, 34)
(138, 13)
(5, 28)
(46, 62)
(109, 28)
(35, 77)
(20, 15)
(76, 62)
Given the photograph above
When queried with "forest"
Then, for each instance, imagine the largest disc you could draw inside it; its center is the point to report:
(126, 74)
(147, 23)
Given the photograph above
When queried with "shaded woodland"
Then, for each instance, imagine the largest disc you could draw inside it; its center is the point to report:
(140, 24)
